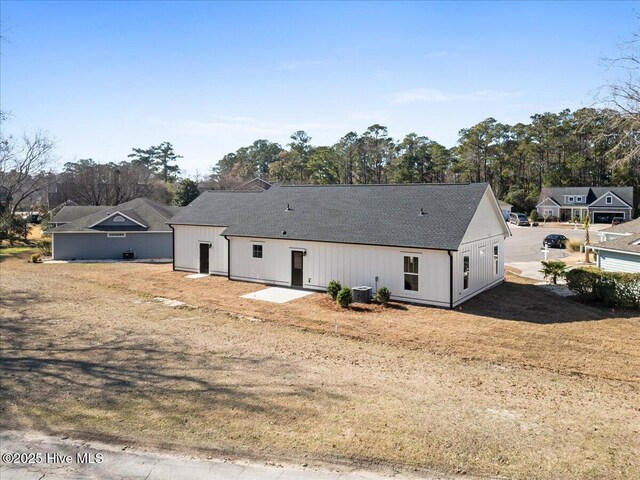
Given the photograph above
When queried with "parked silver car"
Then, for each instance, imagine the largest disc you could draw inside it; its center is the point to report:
(519, 219)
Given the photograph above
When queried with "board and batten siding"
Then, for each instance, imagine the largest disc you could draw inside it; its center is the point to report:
(352, 265)
(187, 239)
(483, 274)
(618, 262)
(485, 231)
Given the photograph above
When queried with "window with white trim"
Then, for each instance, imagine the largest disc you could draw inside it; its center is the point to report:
(465, 271)
(496, 257)
(257, 251)
(411, 274)
(116, 235)
(118, 219)
(571, 199)
(608, 200)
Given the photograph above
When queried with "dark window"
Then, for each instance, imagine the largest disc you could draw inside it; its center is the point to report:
(465, 270)
(411, 273)
(257, 251)
(495, 259)
(609, 200)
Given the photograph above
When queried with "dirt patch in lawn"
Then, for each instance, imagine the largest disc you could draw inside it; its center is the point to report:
(87, 351)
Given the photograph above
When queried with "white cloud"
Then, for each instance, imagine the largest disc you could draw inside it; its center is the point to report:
(432, 95)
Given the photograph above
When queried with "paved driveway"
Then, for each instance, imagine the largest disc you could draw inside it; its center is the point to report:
(526, 242)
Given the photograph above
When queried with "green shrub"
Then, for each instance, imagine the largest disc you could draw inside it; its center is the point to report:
(574, 245)
(333, 288)
(35, 258)
(44, 244)
(553, 269)
(344, 297)
(615, 289)
(533, 216)
(383, 295)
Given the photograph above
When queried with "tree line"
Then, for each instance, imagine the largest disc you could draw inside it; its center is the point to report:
(583, 147)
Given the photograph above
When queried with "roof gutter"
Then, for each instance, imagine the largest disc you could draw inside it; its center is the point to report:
(450, 279)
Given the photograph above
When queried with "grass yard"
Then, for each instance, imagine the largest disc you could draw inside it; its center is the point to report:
(517, 383)
(7, 251)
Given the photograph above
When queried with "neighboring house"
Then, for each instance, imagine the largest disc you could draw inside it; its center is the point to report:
(505, 208)
(621, 230)
(430, 244)
(71, 211)
(255, 185)
(601, 204)
(137, 228)
(619, 250)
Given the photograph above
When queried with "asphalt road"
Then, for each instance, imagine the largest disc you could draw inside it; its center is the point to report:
(123, 463)
(526, 242)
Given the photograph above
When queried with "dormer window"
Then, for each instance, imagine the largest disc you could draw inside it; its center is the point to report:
(578, 199)
(571, 199)
(609, 200)
(118, 218)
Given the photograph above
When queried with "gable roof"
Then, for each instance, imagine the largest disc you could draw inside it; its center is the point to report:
(254, 185)
(386, 215)
(627, 227)
(69, 213)
(616, 200)
(147, 212)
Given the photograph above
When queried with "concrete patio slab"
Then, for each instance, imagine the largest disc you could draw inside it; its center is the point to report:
(197, 275)
(276, 295)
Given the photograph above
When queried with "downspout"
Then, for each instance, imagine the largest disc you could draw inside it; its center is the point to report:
(228, 257)
(450, 279)
(173, 247)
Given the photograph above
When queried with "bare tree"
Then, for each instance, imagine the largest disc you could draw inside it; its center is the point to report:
(23, 165)
(622, 99)
(89, 183)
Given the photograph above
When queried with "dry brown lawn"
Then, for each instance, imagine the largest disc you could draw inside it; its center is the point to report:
(517, 383)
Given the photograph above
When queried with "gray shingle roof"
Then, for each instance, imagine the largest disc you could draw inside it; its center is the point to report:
(362, 214)
(69, 213)
(627, 227)
(218, 208)
(150, 213)
(622, 244)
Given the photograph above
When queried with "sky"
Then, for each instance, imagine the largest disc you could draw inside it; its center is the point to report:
(210, 77)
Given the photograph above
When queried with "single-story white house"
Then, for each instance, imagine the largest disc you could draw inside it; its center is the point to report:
(434, 244)
(619, 249)
(134, 229)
